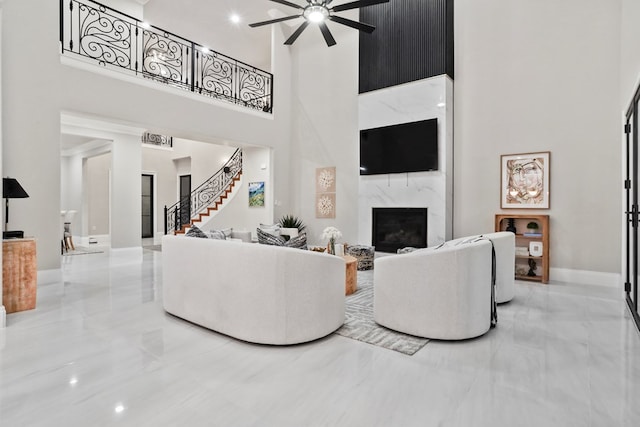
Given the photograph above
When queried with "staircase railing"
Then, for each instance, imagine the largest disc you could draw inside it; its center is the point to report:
(182, 212)
(116, 40)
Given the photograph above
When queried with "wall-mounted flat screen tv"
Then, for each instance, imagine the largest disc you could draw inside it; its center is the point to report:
(407, 147)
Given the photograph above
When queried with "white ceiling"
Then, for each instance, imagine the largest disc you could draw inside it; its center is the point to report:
(207, 22)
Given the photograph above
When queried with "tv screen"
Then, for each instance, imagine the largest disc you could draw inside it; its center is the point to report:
(407, 147)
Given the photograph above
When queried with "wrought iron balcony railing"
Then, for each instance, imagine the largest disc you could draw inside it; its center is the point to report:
(116, 40)
(202, 197)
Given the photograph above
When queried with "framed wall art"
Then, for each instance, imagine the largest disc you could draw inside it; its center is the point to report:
(524, 181)
(326, 192)
(256, 194)
(326, 180)
(325, 205)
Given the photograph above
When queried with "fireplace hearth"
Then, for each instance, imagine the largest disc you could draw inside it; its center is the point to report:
(395, 228)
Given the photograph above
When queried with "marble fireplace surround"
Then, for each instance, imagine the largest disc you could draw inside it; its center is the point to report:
(420, 100)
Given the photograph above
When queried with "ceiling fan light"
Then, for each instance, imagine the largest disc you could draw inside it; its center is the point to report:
(316, 16)
(316, 13)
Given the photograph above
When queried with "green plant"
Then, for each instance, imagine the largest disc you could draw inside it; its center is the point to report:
(291, 221)
(532, 225)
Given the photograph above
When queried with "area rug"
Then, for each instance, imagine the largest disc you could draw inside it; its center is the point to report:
(82, 250)
(359, 324)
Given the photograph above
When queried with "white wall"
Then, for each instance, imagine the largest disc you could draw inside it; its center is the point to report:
(97, 171)
(125, 182)
(406, 103)
(630, 51)
(325, 128)
(538, 76)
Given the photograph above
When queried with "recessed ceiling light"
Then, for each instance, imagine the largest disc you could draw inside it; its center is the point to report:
(235, 18)
(119, 408)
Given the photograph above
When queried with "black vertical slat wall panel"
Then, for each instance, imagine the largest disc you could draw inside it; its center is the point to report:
(413, 40)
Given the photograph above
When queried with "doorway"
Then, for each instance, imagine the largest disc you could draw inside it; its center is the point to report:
(185, 200)
(631, 212)
(147, 206)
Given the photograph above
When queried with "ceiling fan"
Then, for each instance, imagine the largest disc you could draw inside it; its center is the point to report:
(318, 12)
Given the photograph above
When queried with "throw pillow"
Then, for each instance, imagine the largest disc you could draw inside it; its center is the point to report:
(273, 229)
(406, 250)
(298, 242)
(196, 232)
(216, 234)
(227, 232)
(266, 238)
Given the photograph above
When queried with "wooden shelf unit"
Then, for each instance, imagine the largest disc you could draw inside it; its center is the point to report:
(521, 221)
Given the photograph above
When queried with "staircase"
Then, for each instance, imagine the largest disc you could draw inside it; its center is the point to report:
(211, 210)
(207, 200)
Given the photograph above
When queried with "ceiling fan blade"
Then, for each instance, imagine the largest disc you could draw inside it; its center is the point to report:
(327, 34)
(288, 3)
(353, 24)
(297, 33)
(356, 4)
(273, 21)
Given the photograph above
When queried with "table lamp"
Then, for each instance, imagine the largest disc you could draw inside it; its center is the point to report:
(11, 189)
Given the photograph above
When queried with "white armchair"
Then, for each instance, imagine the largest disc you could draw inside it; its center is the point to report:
(442, 292)
(504, 243)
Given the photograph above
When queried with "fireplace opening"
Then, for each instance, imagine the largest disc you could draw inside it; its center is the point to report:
(395, 228)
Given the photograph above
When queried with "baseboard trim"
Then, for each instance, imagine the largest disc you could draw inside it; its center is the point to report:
(612, 280)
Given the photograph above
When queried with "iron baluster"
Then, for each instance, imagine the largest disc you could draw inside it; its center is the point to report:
(113, 39)
(205, 195)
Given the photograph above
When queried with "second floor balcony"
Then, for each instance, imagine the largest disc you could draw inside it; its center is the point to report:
(114, 40)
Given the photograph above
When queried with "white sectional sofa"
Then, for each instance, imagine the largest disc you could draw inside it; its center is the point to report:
(257, 293)
(442, 292)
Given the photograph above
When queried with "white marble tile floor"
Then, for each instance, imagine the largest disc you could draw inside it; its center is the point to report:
(99, 350)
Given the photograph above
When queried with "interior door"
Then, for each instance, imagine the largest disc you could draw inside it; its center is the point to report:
(631, 198)
(147, 206)
(185, 200)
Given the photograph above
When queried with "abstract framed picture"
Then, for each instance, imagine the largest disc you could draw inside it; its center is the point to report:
(524, 180)
(325, 205)
(256, 194)
(326, 180)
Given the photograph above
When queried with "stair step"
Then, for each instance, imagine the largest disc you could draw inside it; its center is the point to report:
(215, 205)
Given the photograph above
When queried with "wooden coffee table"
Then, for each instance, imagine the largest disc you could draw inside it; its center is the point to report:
(351, 281)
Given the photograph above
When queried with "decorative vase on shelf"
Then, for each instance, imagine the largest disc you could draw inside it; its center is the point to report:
(511, 225)
(332, 246)
(532, 268)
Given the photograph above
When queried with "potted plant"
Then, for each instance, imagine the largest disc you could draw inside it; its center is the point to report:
(290, 226)
(532, 227)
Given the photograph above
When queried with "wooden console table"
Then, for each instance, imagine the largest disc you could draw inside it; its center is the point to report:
(19, 274)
